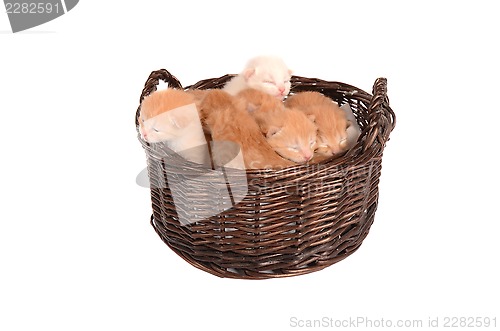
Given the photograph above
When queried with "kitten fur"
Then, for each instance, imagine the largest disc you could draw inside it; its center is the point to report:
(254, 100)
(331, 121)
(198, 95)
(290, 132)
(170, 116)
(227, 121)
(268, 74)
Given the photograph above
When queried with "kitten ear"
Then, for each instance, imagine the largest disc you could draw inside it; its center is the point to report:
(247, 73)
(272, 130)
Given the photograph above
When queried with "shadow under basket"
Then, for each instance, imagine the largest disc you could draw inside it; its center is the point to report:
(289, 221)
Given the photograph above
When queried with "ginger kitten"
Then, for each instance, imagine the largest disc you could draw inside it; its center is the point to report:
(171, 116)
(290, 133)
(331, 121)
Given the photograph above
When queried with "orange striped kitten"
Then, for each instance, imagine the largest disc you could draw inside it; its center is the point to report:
(268, 74)
(227, 121)
(290, 133)
(331, 121)
(171, 116)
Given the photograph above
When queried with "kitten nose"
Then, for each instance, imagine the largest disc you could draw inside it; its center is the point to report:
(282, 89)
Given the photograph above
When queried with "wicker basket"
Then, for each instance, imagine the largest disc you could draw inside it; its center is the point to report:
(292, 221)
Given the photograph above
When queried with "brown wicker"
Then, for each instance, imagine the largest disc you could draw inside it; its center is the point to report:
(292, 221)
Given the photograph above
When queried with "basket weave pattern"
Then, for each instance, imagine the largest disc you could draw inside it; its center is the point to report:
(292, 221)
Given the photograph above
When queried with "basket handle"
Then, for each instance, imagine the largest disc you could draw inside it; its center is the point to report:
(381, 118)
(152, 84)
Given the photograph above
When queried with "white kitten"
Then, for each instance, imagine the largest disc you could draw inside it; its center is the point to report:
(268, 74)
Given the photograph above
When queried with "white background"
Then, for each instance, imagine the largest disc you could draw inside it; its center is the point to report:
(77, 251)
